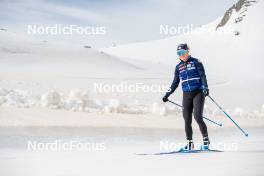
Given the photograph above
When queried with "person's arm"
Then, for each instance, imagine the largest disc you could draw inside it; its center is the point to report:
(202, 75)
(174, 83)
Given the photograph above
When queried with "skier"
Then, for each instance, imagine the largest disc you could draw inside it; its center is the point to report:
(194, 86)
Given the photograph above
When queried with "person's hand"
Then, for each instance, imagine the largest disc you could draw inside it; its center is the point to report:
(206, 92)
(165, 98)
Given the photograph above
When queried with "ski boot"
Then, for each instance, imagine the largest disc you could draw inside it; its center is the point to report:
(189, 146)
(206, 143)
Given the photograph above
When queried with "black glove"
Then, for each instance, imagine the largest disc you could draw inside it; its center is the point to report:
(206, 92)
(165, 98)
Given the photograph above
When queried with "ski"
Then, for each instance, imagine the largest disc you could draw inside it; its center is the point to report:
(182, 151)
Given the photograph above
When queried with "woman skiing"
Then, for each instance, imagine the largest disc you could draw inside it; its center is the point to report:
(194, 86)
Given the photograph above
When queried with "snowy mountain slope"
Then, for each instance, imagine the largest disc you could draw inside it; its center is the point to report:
(240, 8)
(232, 55)
(214, 47)
(44, 57)
(47, 98)
(40, 66)
(33, 71)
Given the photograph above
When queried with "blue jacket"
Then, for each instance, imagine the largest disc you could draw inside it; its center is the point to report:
(192, 75)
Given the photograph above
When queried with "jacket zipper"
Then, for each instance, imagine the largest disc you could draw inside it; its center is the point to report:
(187, 78)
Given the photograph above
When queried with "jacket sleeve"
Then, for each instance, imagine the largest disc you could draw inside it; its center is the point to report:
(201, 72)
(174, 83)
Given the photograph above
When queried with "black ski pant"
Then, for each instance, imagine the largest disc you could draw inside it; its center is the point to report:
(193, 103)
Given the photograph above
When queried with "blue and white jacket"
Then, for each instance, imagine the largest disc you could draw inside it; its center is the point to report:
(192, 75)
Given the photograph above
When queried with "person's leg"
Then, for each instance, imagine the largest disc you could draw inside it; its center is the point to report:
(187, 103)
(198, 105)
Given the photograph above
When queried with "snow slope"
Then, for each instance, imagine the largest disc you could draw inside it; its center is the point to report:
(37, 73)
(31, 69)
(233, 60)
(44, 57)
(46, 95)
(210, 45)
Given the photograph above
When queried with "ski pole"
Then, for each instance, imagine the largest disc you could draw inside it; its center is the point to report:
(246, 134)
(176, 104)
(219, 124)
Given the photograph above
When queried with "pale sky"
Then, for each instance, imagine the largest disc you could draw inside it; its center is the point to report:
(125, 21)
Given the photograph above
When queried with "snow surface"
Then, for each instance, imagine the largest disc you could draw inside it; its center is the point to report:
(47, 93)
(119, 154)
(234, 64)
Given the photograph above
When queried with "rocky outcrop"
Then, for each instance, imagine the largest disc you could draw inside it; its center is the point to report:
(237, 7)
